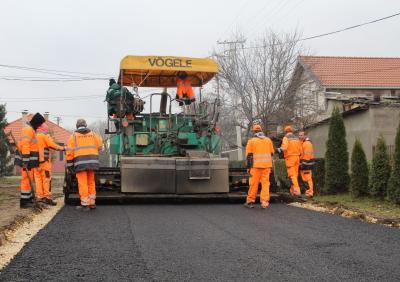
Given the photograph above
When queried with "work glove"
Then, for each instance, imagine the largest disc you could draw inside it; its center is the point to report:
(176, 97)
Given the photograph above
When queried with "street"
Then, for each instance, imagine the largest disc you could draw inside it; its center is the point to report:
(206, 243)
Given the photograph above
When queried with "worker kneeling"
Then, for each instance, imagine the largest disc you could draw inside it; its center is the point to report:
(259, 151)
(291, 148)
(83, 159)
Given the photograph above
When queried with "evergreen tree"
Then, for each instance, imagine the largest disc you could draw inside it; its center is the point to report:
(337, 177)
(380, 170)
(5, 158)
(359, 171)
(394, 180)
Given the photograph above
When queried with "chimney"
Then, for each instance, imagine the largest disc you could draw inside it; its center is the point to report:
(24, 118)
(46, 116)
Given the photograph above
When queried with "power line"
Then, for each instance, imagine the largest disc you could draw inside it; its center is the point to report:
(65, 115)
(327, 33)
(43, 79)
(54, 71)
(51, 98)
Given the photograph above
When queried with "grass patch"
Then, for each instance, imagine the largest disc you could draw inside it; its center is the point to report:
(374, 206)
(9, 180)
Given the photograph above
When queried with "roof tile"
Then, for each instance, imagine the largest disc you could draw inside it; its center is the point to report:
(360, 72)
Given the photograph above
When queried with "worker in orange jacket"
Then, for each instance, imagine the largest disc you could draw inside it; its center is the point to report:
(83, 159)
(43, 172)
(307, 163)
(27, 158)
(184, 91)
(292, 149)
(259, 151)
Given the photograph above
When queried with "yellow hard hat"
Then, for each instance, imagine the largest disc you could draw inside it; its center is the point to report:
(288, 129)
(256, 128)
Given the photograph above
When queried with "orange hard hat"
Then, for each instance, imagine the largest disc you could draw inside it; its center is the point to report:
(256, 128)
(288, 128)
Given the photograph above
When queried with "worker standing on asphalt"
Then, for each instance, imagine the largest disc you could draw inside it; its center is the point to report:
(307, 163)
(291, 148)
(43, 172)
(83, 159)
(259, 151)
(28, 158)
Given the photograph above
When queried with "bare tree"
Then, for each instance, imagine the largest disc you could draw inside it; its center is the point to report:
(254, 81)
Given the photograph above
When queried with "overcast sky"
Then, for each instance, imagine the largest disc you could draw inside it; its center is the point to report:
(93, 35)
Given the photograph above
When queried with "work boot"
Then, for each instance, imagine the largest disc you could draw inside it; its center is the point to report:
(295, 192)
(309, 194)
(26, 204)
(249, 205)
(82, 208)
(264, 205)
(92, 207)
(49, 202)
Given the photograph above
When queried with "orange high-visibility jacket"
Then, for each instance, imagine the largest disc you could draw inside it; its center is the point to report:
(184, 89)
(262, 150)
(291, 145)
(83, 150)
(29, 147)
(308, 150)
(45, 143)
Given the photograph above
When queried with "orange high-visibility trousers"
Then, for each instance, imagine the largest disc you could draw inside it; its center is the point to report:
(306, 176)
(87, 187)
(43, 180)
(258, 175)
(292, 167)
(25, 187)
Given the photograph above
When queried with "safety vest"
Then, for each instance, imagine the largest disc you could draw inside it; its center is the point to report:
(291, 145)
(308, 150)
(83, 151)
(184, 89)
(45, 143)
(28, 147)
(262, 150)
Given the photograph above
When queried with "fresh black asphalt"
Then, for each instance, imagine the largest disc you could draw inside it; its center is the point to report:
(217, 242)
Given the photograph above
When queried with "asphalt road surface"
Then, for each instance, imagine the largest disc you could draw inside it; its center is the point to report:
(207, 243)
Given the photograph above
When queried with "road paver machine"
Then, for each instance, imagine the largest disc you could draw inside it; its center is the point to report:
(160, 153)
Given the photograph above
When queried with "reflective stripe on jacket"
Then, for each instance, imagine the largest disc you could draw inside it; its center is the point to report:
(83, 150)
(262, 150)
(45, 142)
(308, 150)
(29, 147)
(291, 145)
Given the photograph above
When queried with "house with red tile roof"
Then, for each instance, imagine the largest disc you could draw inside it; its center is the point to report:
(366, 90)
(59, 134)
(319, 82)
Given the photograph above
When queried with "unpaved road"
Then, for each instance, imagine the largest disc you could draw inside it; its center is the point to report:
(207, 243)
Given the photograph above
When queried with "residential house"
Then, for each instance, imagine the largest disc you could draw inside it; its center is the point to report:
(319, 82)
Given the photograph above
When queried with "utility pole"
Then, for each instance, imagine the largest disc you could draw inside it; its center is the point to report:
(58, 120)
(232, 45)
